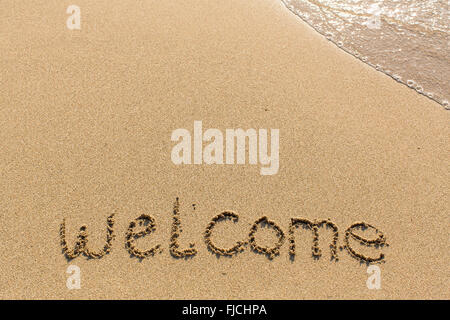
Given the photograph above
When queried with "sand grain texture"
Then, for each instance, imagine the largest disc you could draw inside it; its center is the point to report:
(85, 124)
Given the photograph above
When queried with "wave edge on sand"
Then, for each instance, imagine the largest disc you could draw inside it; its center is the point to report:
(358, 29)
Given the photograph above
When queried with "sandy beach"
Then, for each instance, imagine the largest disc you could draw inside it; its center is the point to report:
(86, 118)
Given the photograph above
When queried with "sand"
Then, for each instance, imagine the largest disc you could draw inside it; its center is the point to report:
(85, 123)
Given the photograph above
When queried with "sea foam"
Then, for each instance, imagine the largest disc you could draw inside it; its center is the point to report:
(407, 40)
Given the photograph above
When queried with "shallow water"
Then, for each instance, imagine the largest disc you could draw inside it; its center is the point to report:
(406, 39)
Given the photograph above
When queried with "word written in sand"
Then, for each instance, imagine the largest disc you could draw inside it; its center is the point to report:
(147, 225)
(213, 152)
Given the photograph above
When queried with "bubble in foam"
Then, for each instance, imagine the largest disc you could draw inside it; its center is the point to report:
(445, 104)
